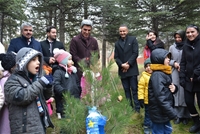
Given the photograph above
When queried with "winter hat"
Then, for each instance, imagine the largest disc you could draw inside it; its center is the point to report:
(24, 56)
(147, 61)
(62, 57)
(86, 22)
(7, 60)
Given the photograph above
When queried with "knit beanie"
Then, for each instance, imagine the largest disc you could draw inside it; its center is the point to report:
(24, 56)
(147, 61)
(7, 60)
(62, 57)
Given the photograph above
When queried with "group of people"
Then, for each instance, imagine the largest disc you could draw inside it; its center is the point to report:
(166, 89)
(35, 72)
(169, 85)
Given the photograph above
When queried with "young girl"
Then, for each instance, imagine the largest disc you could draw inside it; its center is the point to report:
(160, 89)
(26, 92)
(65, 80)
(8, 64)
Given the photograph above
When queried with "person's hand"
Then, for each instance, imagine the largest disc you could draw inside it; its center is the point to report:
(141, 103)
(47, 79)
(52, 60)
(172, 87)
(177, 66)
(148, 37)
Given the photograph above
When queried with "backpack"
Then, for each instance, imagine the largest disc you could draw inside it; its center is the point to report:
(146, 52)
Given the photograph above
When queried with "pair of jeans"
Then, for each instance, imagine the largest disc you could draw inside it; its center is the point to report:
(161, 128)
(130, 85)
(147, 120)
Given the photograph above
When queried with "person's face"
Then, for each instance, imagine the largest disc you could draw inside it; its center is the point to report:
(86, 31)
(148, 69)
(152, 36)
(52, 34)
(191, 33)
(166, 61)
(123, 31)
(27, 31)
(178, 38)
(33, 65)
(70, 62)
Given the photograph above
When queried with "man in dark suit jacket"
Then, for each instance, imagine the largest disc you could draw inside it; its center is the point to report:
(49, 45)
(126, 53)
(26, 39)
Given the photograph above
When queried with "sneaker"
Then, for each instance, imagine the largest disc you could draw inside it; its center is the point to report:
(59, 115)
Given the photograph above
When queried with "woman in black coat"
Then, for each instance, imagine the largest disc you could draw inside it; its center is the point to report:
(189, 67)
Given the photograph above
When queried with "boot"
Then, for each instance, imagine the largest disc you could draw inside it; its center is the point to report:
(196, 127)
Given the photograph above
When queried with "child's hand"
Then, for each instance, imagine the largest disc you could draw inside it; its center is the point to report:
(172, 87)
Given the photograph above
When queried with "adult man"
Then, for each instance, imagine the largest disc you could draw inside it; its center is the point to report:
(82, 45)
(126, 53)
(50, 44)
(26, 40)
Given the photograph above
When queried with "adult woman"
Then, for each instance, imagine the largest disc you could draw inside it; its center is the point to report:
(189, 68)
(176, 53)
(153, 42)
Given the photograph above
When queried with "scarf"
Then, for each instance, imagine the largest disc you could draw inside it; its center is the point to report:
(69, 70)
(179, 45)
(161, 67)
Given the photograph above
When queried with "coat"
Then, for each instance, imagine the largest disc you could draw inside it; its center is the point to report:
(4, 114)
(161, 100)
(63, 84)
(127, 52)
(17, 43)
(46, 49)
(81, 48)
(21, 95)
(190, 62)
(143, 87)
(176, 57)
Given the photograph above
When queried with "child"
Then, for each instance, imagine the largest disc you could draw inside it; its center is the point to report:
(65, 79)
(143, 94)
(26, 95)
(160, 89)
(8, 64)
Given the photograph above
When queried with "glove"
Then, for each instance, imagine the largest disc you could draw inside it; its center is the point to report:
(47, 79)
(141, 103)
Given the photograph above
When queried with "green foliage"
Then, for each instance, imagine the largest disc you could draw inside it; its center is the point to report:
(103, 94)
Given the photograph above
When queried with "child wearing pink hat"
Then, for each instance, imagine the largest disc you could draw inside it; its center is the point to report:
(65, 80)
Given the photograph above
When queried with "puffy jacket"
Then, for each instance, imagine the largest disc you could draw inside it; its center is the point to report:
(143, 87)
(161, 99)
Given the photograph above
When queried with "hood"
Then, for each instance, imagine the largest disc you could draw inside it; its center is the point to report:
(24, 56)
(158, 56)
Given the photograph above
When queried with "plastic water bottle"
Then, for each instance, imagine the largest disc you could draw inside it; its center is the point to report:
(95, 122)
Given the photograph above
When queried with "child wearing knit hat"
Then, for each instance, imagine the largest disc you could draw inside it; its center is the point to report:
(65, 79)
(143, 94)
(8, 64)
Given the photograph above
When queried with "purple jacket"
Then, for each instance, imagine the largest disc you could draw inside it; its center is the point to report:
(4, 118)
(81, 48)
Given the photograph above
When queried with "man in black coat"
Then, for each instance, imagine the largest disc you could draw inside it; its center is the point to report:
(126, 53)
(49, 45)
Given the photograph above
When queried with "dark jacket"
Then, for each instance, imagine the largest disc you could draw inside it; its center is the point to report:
(17, 43)
(81, 48)
(189, 64)
(161, 99)
(46, 49)
(127, 51)
(153, 45)
(63, 84)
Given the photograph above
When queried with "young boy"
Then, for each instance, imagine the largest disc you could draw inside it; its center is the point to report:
(160, 89)
(65, 80)
(26, 92)
(143, 94)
